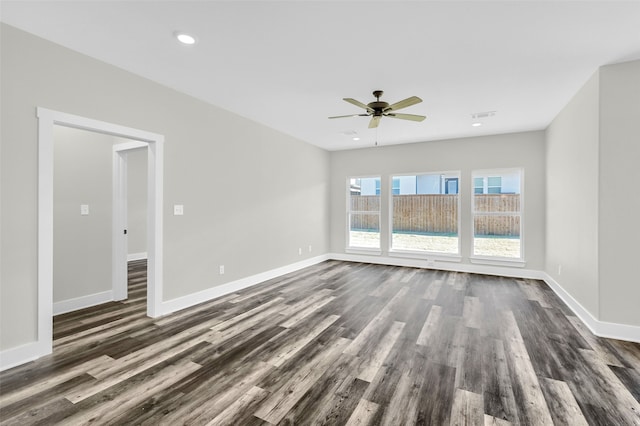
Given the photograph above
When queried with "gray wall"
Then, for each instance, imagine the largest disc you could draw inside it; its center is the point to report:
(518, 150)
(243, 185)
(137, 200)
(81, 244)
(619, 209)
(572, 196)
(593, 153)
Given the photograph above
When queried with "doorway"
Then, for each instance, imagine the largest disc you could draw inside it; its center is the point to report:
(47, 119)
(128, 213)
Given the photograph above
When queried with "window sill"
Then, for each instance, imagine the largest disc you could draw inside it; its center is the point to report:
(363, 250)
(498, 261)
(430, 256)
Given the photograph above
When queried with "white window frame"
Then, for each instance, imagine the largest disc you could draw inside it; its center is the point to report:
(421, 254)
(498, 260)
(356, 249)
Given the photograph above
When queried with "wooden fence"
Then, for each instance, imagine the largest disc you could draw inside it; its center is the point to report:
(439, 213)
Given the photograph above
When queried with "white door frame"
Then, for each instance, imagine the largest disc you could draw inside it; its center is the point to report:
(119, 216)
(46, 120)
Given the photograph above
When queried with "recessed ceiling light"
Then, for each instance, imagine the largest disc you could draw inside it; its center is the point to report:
(356, 138)
(185, 38)
(476, 124)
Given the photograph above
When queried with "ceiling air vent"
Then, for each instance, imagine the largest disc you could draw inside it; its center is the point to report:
(486, 114)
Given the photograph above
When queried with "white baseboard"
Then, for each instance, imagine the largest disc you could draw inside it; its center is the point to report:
(22, 354)
(233, 286)
(136, 256)
(82, 302)
(441, 264)
(599, 328)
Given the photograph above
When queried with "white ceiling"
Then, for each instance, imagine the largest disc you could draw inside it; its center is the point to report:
(288, 64)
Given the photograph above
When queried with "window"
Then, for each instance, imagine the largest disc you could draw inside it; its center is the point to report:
(494, 185)
(395, 186)
(425, 213)
(451, 185)
(363, 215)
(478, 185)
(487, 185)
(497, 213)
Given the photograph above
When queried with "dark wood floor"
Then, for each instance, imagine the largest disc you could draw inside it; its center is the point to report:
(337, 343)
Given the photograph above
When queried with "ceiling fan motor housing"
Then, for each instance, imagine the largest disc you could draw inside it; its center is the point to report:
(378, 107)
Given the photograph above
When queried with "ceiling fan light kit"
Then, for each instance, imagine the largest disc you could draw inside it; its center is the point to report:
(378, 109)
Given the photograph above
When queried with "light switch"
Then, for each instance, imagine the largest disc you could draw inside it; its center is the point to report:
(178, 209)
(84, 209)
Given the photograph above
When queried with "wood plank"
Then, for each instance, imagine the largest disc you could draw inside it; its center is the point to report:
(52, 412)
(118, 372)
(221, 334)
(363, 414)
(332, 399)
(373, 359)
(250, 313)
(432, 290)
(159, 351)
(499, 400)
(229, 415)
(467, 409)
(227, 393)
(37, 387)
(274, 408)
(533, 293)
(403, 407)
(111, 407)
(36, 407)
(470, 363)
(472, 312)
(527, 391)
(494, 421)
(303, 313)
(562, 404)
(290, 350)
(430, 326)
(630, 378)
(600, 346)
(436, 394)
(622, 402)
(376, 327)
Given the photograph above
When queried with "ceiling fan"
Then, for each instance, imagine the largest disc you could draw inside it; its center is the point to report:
(378, 109)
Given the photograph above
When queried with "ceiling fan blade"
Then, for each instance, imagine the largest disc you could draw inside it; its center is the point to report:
(357, 103)
(411, 117)
(403, 104)
(350, 115)
(375, 120)
(345, 116)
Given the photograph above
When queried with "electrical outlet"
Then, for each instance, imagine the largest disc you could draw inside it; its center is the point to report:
(178, 209)
(300, 251)
(84, 209)
(559, 269)
(221, 269)
(309, 248)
